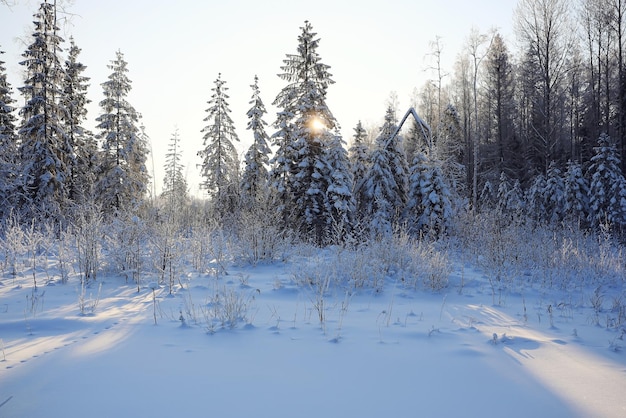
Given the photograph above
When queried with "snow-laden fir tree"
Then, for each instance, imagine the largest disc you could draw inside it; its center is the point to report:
(576, 192)
(45, 151)
(122, 175)
(515, 202)
(220, 165)
(300, 174)
(382, 194)
(510, 199)
(340, 205)
(359, 164)
(414, 208)
(174, 183)
(487, 198)
(255, 173)
(536, 199)
(398, 162)
(8, 144)
(74, 103)
(504, 187)
(554, 195)
(386, 182)
(429, 208)
(449, 148)
(607, 188)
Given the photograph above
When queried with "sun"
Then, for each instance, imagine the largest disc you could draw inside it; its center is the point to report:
(317, 124)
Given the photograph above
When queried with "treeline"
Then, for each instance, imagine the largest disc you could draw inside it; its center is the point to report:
(540, 137)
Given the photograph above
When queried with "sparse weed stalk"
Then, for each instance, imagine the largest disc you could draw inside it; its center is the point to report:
(227, 308)
(13, 244)
(88, 304)
(87, 231)
(596, 300)
(34, 301)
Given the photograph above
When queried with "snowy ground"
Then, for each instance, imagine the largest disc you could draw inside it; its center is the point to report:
(395, 353)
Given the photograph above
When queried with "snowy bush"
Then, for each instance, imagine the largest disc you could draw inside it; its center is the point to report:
(259, 237)
(226, 308)
(87, 230)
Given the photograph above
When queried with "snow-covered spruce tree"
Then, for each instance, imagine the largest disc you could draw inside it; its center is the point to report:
(449, 149)
(576, 192)
(414, 208)
(386, 182)
(304, 125)
(81, 140)
(220, 165)
(429, 207)
(536, 199)
(607, 189)
(122, 175)
(359, 164)
(510, 198)
(515, 203)
(502, 195)
(554, 195)
(340, 203)
(382, 195)
(44, 151)
(255, 173)
(174, 183)
(398, 161)
(487, 198)
(8, 144)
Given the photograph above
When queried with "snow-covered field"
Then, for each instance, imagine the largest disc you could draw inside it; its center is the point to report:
(281, 339)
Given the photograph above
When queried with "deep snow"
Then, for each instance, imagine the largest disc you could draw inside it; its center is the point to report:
(400, 352)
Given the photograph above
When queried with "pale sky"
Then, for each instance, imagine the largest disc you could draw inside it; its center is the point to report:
(175, 50)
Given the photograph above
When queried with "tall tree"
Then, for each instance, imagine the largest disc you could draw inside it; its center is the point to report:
(304, 123)
(386, 182)
(8, 143)
(220, 165)
(340, 204)
(44, 148)
(123, 176)
(255, 174)
(359, 163)
(607, 189)
(544, 27)
(174, 183)
(502, 151)
(74, 103)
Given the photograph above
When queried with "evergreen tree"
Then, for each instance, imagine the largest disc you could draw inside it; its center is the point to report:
(255, 174)
(415, 203)
(340, 203)
(504, 188)
(384, 198)
(123, 176)
(220, 165)
(536, 199)
(502, 151)
(81, 141)
(304, 122)
(449, 148)
(44, 148)
(487, 197)
(397, 157)
(554, 195)
(429, 208)
(8, 144)
(576, 192)
(607, 190)
(359, 163)
(174, 183)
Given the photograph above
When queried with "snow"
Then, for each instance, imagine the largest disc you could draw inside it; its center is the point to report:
(395, 352)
